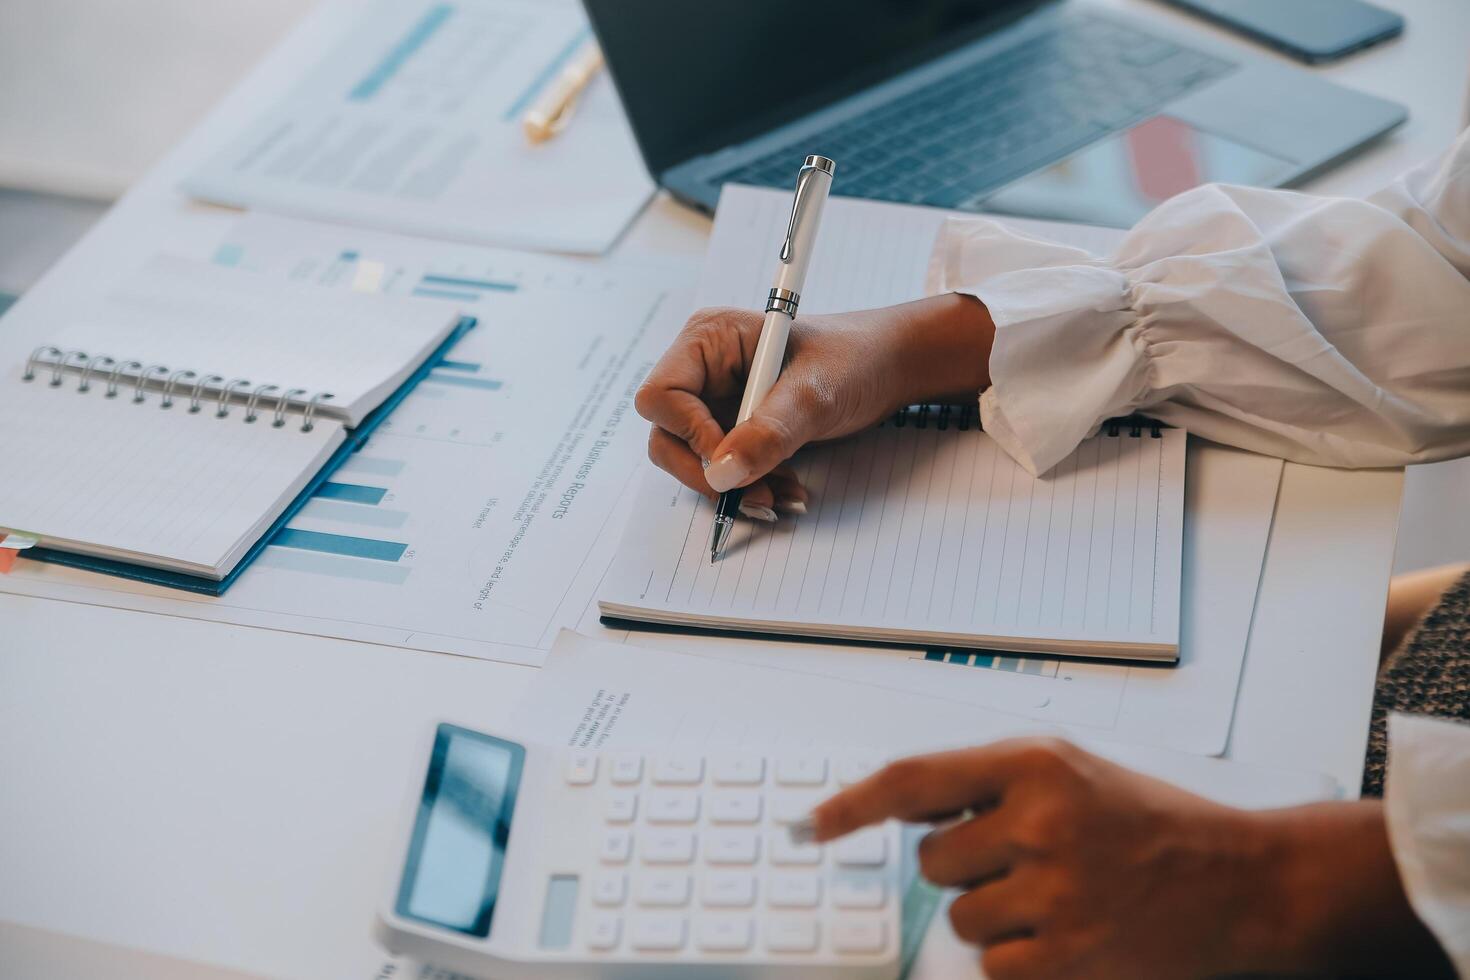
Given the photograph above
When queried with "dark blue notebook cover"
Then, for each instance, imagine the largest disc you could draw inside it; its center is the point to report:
(356, 439)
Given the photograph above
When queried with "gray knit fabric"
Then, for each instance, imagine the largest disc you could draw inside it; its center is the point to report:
(1428, 675)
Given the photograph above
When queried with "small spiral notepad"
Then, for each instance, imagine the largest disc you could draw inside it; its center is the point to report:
(923, 531)
(170, 424)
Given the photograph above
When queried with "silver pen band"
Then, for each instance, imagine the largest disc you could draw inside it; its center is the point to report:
(784, 300)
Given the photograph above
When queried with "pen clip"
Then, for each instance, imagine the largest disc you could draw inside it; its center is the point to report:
(803, 179)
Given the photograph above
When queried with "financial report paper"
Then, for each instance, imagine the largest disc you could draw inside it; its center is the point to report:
(413, 123)
(484, 512)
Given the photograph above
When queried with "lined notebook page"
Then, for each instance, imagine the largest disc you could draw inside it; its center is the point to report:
(868, 253)
(930, 535)
(112, 478)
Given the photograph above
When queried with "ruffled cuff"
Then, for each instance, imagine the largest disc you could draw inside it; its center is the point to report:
(1069, 348)
(1427, 807)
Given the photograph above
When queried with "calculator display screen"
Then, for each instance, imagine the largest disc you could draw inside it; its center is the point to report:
(452, 878)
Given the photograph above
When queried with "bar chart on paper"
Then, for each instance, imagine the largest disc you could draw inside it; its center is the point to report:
(1036, 666)
(349, 530)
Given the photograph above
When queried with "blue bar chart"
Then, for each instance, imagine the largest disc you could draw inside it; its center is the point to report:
(410, 43)
(339, 544)
(1036, 666)
(354, 492)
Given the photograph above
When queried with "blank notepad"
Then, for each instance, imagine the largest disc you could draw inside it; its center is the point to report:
(171, 421)
(129, 481)
(918, 533)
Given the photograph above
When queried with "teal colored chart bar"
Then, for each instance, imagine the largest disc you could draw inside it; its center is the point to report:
(339, 544)
(354, 492)
(401, 52)
(489, 384)
(467, 366)
(332, 566)
(317, 509)
(454, 294)
(229, 254)
(372, 465)
(467, 282)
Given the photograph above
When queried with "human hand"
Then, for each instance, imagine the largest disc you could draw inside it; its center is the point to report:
(842, 374)
(1071, 866)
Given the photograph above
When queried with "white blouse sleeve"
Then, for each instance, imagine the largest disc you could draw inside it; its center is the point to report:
(1427, 805)
(1325, 330)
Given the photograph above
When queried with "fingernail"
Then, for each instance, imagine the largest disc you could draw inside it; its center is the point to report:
(803, 831)
(727, 473)
(790, 505)
(758, 513)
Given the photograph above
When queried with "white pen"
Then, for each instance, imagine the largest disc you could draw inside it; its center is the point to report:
(813, 185)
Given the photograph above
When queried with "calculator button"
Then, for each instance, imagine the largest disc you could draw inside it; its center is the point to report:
(865, 849)
(783, 851)
(673, 806)
(609, 889)
(728, 890)
(621, 806)
(723, 935)
(626, 770)
(603, 931)
(801, 770)
(664, 889)
(657, 932)
(851, 771)
(789, 806)
(617, 846)
(731, 847)
(581, 769)
(791, 934)
(793, 890)
(858, 934)
(667, 847)
(856, 891)
(739, 770)
(677, 770)
(735, 806)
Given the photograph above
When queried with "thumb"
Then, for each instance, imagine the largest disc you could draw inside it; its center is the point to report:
(781, 425)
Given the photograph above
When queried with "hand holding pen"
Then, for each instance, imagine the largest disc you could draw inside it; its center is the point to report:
(843, 373)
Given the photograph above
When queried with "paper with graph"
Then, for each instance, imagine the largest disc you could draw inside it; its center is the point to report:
(924, 531)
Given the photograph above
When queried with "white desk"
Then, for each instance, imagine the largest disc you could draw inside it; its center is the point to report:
(224, 795)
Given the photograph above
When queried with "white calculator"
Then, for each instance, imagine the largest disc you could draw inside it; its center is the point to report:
(527, 861)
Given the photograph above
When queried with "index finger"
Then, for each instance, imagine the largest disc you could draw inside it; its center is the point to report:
(706, 361)
(921, 788)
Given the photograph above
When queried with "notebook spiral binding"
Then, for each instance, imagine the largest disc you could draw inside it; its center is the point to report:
(59, 362)
(966, 417)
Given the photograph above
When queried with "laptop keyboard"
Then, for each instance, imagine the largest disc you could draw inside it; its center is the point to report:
(952, 142)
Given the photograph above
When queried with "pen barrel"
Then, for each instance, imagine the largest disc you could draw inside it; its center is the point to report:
(765, 366)
(792, 275)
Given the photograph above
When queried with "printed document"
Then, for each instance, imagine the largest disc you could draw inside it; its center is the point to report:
(483, 514)
(412, 123)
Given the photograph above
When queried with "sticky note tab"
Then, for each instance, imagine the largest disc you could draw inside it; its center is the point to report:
(7, 560)
(18, 540)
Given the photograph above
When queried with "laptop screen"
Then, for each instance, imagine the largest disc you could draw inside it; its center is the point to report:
(697, 75)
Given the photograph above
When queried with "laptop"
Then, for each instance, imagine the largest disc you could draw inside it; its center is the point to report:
(1056, 110)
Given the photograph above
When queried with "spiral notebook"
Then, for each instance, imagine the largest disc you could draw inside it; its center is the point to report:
(923, 531)
(164, 432)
